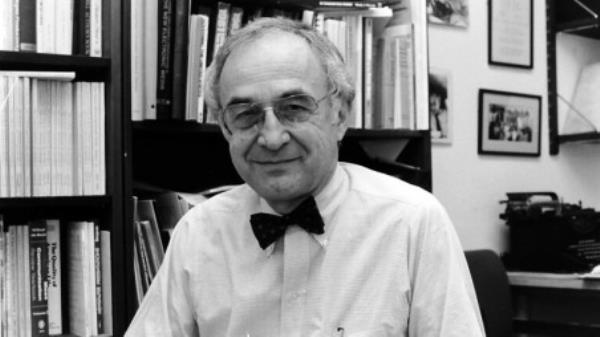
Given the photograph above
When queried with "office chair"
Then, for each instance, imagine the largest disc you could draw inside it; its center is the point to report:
(493, 292)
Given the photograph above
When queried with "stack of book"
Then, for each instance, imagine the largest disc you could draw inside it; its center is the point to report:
(154, 221)
(52, 138)
(31, 278)
(52, 26)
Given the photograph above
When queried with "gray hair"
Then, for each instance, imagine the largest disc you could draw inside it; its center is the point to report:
(325, 50)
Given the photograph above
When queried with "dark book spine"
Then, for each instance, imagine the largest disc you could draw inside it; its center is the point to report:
(98, 277)
(79, 27)
(182, 14)
(38, 267)
(86, 25)
(27, 22)
(164, 90)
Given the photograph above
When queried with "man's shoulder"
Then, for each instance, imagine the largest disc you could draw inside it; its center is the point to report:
(375, 184)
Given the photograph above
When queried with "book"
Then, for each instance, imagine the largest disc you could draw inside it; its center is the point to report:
(45, 26)
(81, 284)
(235, 21)
(4, 143)
(95, 35)
(63, 27)
(222, 25)
(27, 25)
(164, 80)
(137, 60)
(54, 277)
(197, 67)
(38, 259)
(7, 28)
(12, 282)
(3, 274)
(150, 57)
(368, 73)
(97, 277)
(180, 61)
(107, 318)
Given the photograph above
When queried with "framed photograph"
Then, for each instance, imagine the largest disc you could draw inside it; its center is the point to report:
(440, 109)
(510, 33)
(448, 12)
(509, 123)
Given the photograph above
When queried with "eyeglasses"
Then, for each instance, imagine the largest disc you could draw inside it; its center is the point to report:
(289, 110)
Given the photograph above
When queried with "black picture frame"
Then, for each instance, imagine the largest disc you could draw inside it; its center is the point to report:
(510, 33)
(509, 123)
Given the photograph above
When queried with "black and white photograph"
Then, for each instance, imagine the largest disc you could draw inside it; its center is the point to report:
(509, 123)
(448, 12)
(440, 110)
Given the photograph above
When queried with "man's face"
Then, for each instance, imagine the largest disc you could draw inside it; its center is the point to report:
(282, 163)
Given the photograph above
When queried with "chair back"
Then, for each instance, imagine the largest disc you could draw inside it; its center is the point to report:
(493, 292)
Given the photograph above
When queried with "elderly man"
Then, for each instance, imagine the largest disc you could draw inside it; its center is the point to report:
(308, 246)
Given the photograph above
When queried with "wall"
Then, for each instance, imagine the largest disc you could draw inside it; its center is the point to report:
(471, 185)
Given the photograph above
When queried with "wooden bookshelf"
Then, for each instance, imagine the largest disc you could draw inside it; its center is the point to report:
(107, 208)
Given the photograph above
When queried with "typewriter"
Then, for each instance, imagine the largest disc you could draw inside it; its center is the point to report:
(548, 235)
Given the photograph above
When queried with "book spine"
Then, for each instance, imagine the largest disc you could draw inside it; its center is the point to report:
(54, 278)
(368, 73)
(180, 66)
(107, 321)
(164, 89)
(26, 137)
(87, 44)
(235, 22)
(222, 26)
(95, 28)
(38, 259)
(27, 25)
(3, 274)
(11, 281)
(150, 57)
(202, 59)
(98, 277)
(137, 60)
(4, 181)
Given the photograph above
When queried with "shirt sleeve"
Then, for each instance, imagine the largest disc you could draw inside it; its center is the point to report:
(166, 310)
(443, 299)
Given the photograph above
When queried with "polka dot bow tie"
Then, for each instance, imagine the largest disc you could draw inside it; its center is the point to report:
(269, 227)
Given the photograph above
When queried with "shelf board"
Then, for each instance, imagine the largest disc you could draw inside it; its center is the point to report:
(84, 66)
(584, 27)
(580, 137)
(98, 201)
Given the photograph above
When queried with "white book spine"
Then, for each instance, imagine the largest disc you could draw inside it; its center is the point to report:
(6, 18)
(78, 279)
(368, 73)
(204, 21)
(4, 182)
(150, 13)
(54, 278)
(12, 280)
(46, 167)
(102, 131)
(96, 28)
(78, 139)
(222, 26)
(68, 138)
(15, 23)
(87, 149)
(26, 136)
(55, 162)
(137, 63)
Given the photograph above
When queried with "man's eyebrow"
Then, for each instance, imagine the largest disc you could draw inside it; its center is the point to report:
(288, 93)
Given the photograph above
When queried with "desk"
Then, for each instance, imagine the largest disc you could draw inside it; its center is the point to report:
(555, 304)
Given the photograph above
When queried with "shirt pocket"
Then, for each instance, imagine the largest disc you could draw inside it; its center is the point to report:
(368, 333)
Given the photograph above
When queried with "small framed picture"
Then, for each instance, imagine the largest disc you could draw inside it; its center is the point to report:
(448, 12)
(440, 109)
(510, 33)
(509, 123)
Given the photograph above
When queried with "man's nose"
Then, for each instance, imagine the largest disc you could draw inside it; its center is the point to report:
(272, 134)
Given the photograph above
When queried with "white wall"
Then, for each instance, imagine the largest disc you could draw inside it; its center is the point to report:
(471, 185)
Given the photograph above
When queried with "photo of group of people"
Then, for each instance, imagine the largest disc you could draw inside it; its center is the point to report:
(509, 123)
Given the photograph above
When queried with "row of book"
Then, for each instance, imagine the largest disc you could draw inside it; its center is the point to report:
(52, 137)
(383, 43)
(52, 26)
(154, 220)
(34, 259)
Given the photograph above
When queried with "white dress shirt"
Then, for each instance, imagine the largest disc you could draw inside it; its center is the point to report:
(388, 264)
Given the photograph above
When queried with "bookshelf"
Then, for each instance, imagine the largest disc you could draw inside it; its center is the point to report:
(186, 156)
(108, 207)
(577, 18)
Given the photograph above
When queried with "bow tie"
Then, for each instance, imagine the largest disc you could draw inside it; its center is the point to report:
(269, 227)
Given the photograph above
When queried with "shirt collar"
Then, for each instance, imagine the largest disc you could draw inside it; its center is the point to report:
(328, 200)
